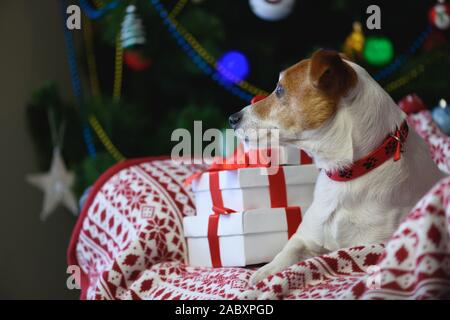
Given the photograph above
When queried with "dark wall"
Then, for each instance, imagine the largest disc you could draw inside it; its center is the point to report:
(32, 253)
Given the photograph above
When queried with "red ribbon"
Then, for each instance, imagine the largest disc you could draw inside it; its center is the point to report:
(293, 218)
(239, 161)
(213, 238)
(278, 199)
(232, 163)
(304, 158)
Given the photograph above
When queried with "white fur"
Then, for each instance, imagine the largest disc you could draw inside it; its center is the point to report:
(367, 209)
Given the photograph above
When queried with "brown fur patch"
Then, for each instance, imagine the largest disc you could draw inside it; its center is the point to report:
(330, 74)
(312, 90)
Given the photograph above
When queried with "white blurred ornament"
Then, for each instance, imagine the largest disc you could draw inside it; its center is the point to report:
(272, 10)
(441, 115)
(56, 185)
(132, 32)
(439, 15)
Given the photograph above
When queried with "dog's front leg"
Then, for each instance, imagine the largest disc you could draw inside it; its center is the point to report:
(295, 250)
(308, 240)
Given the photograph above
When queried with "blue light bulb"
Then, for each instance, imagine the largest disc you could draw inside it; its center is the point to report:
(233, 66)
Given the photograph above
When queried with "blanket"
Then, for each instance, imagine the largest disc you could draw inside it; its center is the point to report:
(129, 244)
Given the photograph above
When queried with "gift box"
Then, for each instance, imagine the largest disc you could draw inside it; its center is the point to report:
(239, 238)
(281, 156)
(254, 188)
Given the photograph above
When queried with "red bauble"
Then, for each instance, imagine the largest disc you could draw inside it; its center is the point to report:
(136, 61)
(439, 15)
(412, 104)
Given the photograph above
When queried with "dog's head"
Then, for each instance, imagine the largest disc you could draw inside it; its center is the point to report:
(306, 97)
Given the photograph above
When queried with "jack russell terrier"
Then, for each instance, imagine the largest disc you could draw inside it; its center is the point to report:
(373, 168)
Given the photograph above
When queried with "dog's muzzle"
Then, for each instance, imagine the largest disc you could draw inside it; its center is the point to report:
(235, 118)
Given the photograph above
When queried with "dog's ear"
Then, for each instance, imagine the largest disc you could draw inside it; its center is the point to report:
(330, 74)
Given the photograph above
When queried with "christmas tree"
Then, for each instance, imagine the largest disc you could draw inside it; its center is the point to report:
(149, 67)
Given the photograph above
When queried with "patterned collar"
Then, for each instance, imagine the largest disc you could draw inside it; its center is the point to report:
(391, 146)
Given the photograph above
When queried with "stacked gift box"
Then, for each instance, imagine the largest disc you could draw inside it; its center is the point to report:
(246, 211)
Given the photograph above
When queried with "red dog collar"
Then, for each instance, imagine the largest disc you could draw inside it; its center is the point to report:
(391, 146)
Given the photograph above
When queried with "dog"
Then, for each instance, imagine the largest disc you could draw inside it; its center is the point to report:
(335, 111)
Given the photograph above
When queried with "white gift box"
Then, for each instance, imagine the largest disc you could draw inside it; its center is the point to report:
(249, 188)
(283, 155)
(244, 238)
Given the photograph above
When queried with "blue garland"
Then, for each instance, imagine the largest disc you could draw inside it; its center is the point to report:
(93, 13)
(195, 57)
(397, 63)
(76, 83)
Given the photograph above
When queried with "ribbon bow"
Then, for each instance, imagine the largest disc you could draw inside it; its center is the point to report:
(236, 161)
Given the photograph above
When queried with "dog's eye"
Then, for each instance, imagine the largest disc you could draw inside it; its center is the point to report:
(279, 91)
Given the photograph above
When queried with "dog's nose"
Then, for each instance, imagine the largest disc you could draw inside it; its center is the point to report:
(235, 118)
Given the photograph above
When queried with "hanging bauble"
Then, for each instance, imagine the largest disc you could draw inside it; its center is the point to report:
(272, 10)
(378, 51)
(411, 104)
(136, 60)
(132, 32)
(441, 115)
(233, 66)
(439, 15)
(354, 43)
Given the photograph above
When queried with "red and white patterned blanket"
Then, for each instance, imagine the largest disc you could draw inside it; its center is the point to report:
(129, 244)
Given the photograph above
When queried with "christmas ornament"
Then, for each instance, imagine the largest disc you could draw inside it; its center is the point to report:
(378, 51)
(411, 104)
(233, 66)
(132, 32)
(439, 15)
(56, 185)
(136, 60)
(354, 44)
(272, 10)
(441, 115)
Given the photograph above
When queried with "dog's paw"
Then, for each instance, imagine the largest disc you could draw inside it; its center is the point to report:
(264, 272)
(273, 267)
